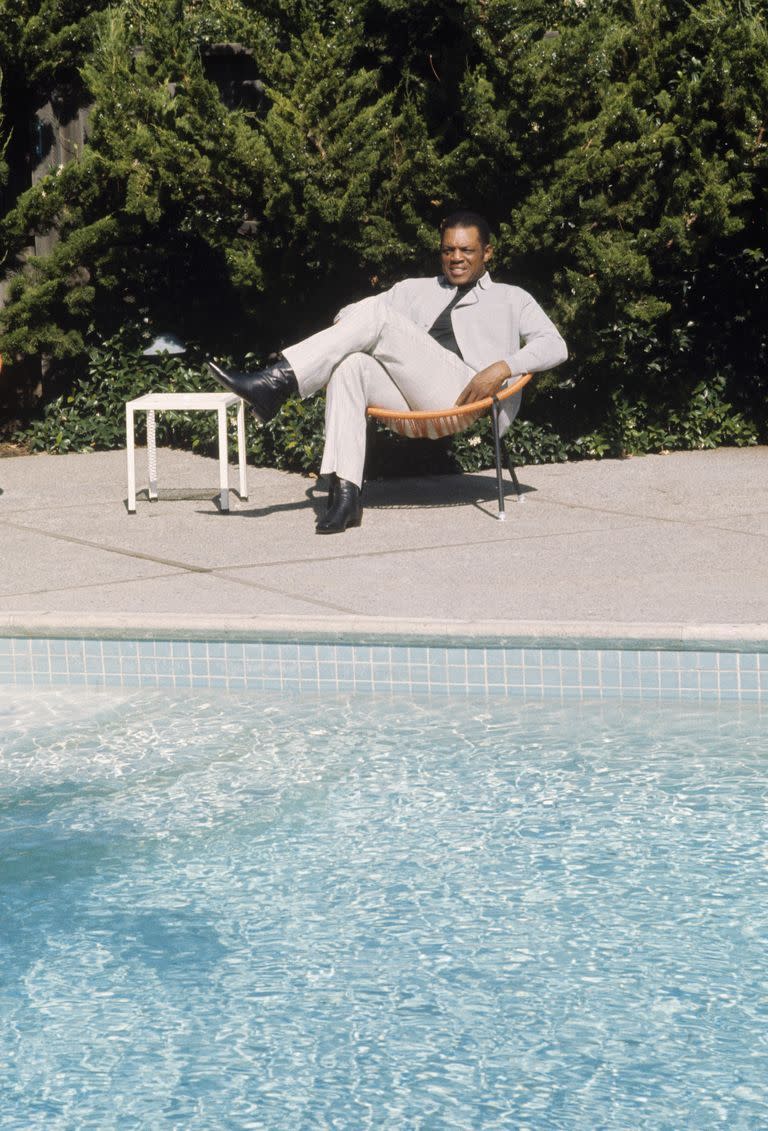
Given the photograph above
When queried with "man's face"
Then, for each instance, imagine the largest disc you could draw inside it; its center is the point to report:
(463, 256)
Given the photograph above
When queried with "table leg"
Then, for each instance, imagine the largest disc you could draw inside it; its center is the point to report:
(131, 456)
(223, 469)
(241, 453)
(152, 453)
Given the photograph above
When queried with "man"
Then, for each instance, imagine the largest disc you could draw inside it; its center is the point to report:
(423, 344)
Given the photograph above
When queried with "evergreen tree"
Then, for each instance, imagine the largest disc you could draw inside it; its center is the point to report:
(618, 146)
(632, 188)
(346, 180)
(149, 217)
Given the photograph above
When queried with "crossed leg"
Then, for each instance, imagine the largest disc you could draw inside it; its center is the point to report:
(372, 356)
(356, 382)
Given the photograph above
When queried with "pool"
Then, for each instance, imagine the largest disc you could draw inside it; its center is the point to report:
(346, 910)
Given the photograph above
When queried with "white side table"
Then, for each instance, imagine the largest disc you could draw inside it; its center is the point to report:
(185, 402)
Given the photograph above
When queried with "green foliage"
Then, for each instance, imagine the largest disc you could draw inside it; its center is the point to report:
(47, 41)
(3, 141)
(706, 420)
(618, 148)
(531, 443)
(292, 441)
(639, 159)
(149, 217)
(527, 443)
(91, 417)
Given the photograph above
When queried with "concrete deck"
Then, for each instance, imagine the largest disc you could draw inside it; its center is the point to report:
(671, 548)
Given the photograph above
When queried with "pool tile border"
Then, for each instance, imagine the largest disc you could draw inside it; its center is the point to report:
(400, 667)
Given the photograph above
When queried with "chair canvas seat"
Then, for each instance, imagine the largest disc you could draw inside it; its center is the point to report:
(434, 424)
(433, 428)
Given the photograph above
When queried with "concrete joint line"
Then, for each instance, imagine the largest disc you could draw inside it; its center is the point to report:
(110, 549)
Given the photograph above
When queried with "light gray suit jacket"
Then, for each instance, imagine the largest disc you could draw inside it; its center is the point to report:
(493, 322)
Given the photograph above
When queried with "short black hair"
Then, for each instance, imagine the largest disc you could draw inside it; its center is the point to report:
(464, 218)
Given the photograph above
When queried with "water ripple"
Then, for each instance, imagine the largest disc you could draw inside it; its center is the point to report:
(278, 912)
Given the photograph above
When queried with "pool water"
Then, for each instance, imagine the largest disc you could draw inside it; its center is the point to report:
(255, 911)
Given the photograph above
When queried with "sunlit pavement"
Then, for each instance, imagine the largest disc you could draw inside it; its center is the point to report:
(670, 546)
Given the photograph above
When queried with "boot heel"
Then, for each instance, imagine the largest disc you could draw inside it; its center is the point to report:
(345, 511)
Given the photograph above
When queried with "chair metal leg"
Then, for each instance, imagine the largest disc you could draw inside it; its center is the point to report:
(131, 454)
(516, 482)
(497, 446)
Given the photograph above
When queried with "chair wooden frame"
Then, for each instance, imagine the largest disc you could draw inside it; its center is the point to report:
(435, 423)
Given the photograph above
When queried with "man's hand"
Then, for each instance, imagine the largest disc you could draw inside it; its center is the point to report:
(485, 383)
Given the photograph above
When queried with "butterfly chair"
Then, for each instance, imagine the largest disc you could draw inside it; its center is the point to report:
(438, 422)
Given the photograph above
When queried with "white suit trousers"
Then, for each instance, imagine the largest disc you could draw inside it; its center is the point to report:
(373, 355)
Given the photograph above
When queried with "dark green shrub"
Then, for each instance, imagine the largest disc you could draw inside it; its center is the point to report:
(526, 442)
(705, 420)
(618, 149)
(91, 417)
(294, 439)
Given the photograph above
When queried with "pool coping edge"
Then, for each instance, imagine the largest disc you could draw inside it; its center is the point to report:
(703, 636)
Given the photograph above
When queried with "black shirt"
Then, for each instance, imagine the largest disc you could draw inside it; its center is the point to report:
(442, 328)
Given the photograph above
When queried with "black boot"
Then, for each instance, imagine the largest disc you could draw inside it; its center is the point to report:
(345, 510)
(333, 486)
(266, 390)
